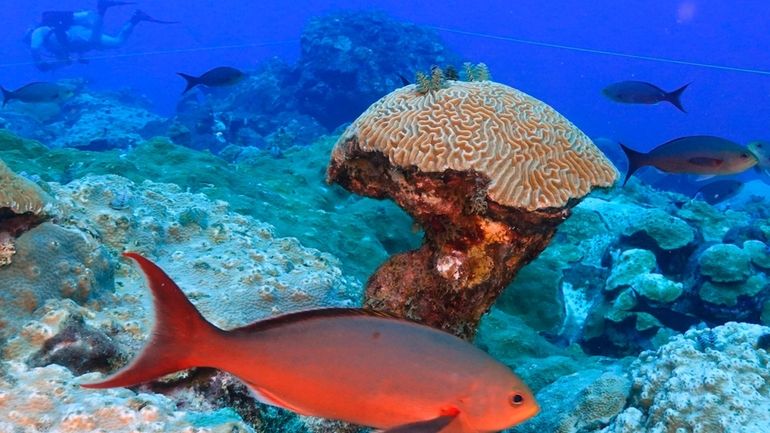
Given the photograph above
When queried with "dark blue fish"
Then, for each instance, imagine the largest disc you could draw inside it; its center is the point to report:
(640, 92)
(719, 191)
(37, 92)
(217, 77)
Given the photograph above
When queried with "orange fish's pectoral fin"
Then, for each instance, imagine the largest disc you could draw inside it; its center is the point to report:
(449, 423)
(706, 162)
(267, 397)
(704, 177)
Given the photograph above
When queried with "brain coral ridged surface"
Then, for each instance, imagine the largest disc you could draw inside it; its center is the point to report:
(533, 156)
(19, 194)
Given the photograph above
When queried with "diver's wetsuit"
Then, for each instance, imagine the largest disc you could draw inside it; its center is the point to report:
(60, 22)
(62, 33)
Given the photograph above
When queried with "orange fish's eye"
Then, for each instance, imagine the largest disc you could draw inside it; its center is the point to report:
(517, 399)
(743, 155)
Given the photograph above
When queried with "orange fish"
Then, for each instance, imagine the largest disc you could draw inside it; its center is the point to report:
(351, 365)
(698, 154)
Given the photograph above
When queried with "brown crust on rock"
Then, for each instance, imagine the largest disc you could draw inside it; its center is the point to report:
(470, 252)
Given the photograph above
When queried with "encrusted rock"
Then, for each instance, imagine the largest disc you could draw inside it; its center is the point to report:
(725, 263)
(488, 171)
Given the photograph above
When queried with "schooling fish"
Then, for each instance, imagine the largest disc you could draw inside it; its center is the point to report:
(697, 154)
(346, 364)
(719, 190)
(36, 92)
(641, 92)
(217, 77)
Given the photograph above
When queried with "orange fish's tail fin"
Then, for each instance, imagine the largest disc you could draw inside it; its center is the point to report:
(675, 97)
(190, 80)
(178, 334)
(636, 160)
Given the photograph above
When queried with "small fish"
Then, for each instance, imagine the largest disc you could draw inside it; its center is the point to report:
(404, 81)
(697, 154)
(719, 190)
(640, 92)
(352, 365)
(37, 92)
(217, 77)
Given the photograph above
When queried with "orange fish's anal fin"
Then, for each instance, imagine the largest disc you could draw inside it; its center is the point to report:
(449, 423)
(267, 397)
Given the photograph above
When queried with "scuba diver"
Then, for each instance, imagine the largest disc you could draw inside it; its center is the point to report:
(63, 33)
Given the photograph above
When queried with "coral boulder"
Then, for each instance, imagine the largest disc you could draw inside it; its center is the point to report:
(488, 171)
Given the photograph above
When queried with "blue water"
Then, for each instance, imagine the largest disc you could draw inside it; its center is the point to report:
(720, 102)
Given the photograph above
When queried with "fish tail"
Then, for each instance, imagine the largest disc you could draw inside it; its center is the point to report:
(674, 97)
(636, 160)
(191, 81)
(177, 338)
(7, 95)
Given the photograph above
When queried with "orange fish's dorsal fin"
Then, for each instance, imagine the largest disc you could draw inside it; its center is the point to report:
(179, 329)
(443, 424)
(319, 313)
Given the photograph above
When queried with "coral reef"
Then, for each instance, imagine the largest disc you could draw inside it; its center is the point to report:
(710, 380)
(486, 213)
(580, 402)
(536, 360)
(50, 399)
(88, 120)
(349, 60)
(194, 238)
(632, 267)
(224, 263)
(288, 193)
(725, 263)
(51, 262)
(104, 121)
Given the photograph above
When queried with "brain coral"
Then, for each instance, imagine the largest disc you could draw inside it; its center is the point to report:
(19, 195)
(706, 381)
(533, 156)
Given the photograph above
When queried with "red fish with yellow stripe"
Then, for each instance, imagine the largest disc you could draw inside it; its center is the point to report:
(346, 364)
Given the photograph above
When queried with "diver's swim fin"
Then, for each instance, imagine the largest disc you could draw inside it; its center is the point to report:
(103, 5)
(140, 16)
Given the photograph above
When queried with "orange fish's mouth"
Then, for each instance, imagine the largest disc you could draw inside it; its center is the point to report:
(531, 412)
